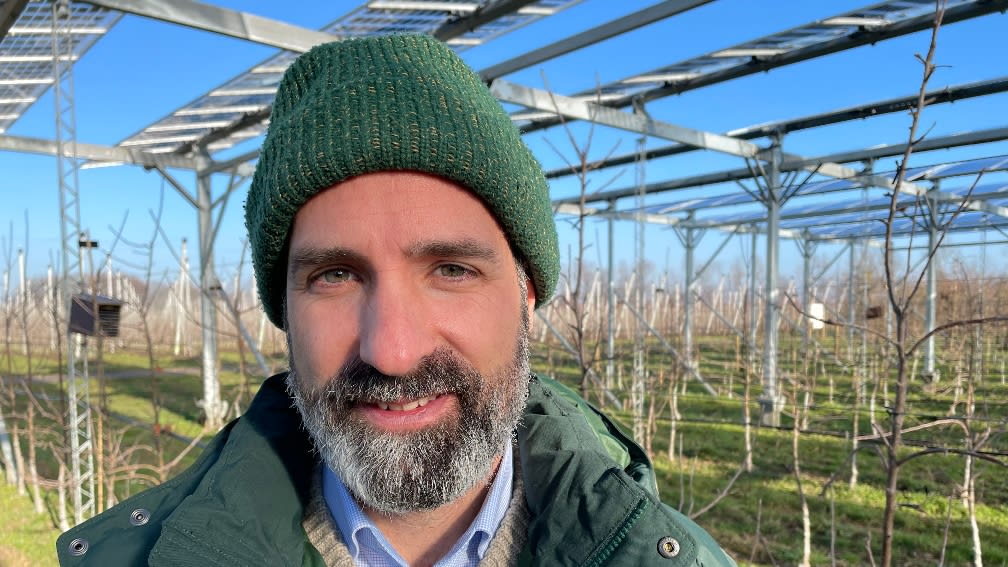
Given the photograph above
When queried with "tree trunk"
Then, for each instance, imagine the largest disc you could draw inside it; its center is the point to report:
(32, 461)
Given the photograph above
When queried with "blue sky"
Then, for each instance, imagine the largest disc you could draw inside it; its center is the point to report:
(143, 70)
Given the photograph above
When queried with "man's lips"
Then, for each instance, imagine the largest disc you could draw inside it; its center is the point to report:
(407, 415)
(405, 405)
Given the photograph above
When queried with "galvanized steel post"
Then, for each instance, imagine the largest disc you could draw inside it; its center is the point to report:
(771, 402)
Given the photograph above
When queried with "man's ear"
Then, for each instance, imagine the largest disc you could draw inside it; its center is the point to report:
(530, 299)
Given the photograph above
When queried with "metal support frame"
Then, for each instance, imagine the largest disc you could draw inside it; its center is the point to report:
(105, 155)
(863, 35)
(640, 372)
(927, 144)
(212, 405)
(223, 21)
(807, 248)
(690, 241)
(751, 299)
(585, 110)
(593, 36)
(771, 401)
(78, 391)
(851, 301)
(930, 317)
(938, 96)
(610, 301)
(690, 238)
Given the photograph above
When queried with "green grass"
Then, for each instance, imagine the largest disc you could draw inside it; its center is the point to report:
(29, 539)
(711, 438)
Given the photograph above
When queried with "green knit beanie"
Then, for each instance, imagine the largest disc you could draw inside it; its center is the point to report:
(399, 102)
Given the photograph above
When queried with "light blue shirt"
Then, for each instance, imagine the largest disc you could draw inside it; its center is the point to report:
(368, 546)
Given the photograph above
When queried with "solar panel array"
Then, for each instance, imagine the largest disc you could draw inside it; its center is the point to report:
(252, 91)
(874, 17)
(26, 52)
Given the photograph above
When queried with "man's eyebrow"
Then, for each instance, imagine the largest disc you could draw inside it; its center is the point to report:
(311, 256)
(464, 248)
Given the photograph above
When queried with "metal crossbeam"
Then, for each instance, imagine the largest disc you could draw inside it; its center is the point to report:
(935, 97)
(616, 27)
(539, 99)
(233, 23)
(965, 139)
(101, 154)
(483, 15)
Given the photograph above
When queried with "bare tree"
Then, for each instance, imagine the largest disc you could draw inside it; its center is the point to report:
(901, 289)
(585, 328)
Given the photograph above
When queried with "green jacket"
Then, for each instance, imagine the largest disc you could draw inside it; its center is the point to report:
(590, 490)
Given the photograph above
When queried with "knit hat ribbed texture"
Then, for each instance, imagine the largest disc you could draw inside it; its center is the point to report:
(398, 102)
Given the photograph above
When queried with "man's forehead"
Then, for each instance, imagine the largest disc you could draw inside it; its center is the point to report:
(379, 192)
(421, 214)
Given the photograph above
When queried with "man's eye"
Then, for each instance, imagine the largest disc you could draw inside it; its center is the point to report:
(453, 271)
(335, 276)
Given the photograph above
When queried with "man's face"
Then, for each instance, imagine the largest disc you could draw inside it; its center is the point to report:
(407, 331)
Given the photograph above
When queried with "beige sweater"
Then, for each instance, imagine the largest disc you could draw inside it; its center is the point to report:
(503, 551)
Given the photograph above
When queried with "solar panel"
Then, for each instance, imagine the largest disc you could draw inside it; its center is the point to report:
(26, 53)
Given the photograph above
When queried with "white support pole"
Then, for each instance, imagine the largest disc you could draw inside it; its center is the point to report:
(212, 406)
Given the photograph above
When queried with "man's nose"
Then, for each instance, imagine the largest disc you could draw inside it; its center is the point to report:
(395, 333)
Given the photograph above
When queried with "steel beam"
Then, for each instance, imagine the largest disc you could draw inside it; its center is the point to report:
(98, 153)
(212, 406)
(539, 99)
(931, 312)
(483, 15)
(240, 165)
(851, 303)
(690, 238)
(751, 299)
(179, 188)
(603, 32)
(928, 144)
(247, 121)
(543, 100)
(944, 95)
(233, 23)
(771, 400)
(575, 210)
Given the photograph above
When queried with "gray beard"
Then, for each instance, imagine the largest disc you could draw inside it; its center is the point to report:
(395, 473)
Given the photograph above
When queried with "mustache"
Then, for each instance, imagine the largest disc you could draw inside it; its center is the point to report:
(438, 373)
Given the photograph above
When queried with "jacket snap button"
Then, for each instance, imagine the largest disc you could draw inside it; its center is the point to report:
(139, 517)
(668, 547)
(78, 547)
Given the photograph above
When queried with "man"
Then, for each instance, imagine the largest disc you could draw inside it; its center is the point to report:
(402, 235)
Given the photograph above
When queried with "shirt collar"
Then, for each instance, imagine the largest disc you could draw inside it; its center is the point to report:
(368, 546)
